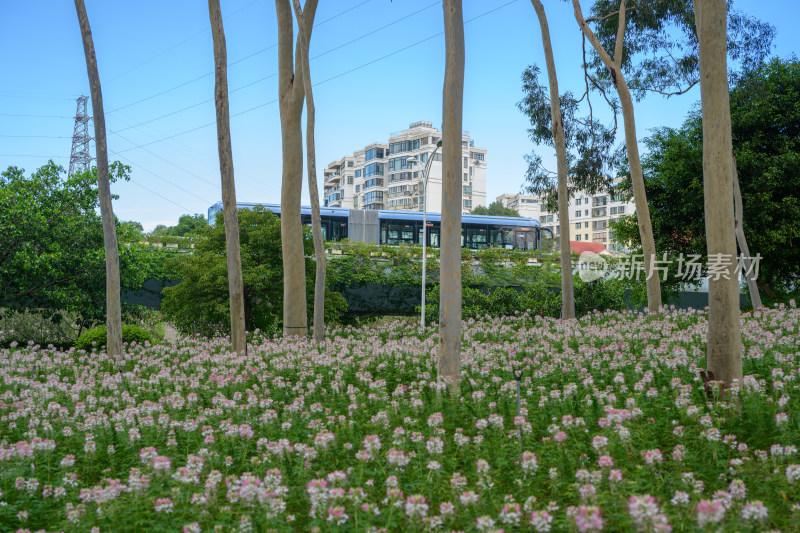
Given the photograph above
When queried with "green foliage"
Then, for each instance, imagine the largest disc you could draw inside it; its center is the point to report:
(51, 243)
(660, 52)
(495, 209)
(200, 303)
(188, 225)
(21, 327)
(495, 281)
(765, 116)
(589, 143)
(97, 337)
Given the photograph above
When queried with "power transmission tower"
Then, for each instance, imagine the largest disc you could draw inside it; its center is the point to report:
(81, 158)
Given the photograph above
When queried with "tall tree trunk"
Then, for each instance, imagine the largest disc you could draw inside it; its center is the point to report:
(113, 306)
(231, 216)
(313, 190)
(724, 355)
(614, 66)
(290, 94)
(450, 262)
(738, 214)
(567, 290)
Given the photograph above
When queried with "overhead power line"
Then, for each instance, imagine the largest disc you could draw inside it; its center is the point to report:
(186, 209)
(35, 136)
(32, 155)
(173, 47)
(354, 69)
(232, 63)
(165, 180)
(34, 116)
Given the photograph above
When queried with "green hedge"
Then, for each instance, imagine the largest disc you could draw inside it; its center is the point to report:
(98, 337)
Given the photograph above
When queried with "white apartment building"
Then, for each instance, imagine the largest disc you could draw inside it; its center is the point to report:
(526, 205)
(379, 176)
(590, 216)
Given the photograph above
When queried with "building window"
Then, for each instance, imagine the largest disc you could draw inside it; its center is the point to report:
(358, 188)
(586, 236)
(577, 237)
(355, 201)
(349, 180)
(467, 204)
(398, 163)
(372, 197)
(586, 212)
(350, 164)
(466, 179)
(477, 156)
(586, 224)
(374, 182)
(466, 162)
(467, 189)
(577, 225)
(373, 169)
(374, 153)
(358, 173)
(578, 213)
(403, 146)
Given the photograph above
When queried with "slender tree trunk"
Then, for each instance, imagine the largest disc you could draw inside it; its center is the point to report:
(231, 216)
(290, 94)
(113, 306)
(567, 290)
(724, 356)
(450, 258)
(738, 213)
(313, 190)
(653, 282)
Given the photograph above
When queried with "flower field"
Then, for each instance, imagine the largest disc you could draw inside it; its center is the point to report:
(614, 432)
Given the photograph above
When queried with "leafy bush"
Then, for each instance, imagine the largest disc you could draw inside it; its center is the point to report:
(98, 337)
(35, 326)
(495, 281)
(200, 302)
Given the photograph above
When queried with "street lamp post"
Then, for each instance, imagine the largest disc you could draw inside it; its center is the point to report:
(425, 174)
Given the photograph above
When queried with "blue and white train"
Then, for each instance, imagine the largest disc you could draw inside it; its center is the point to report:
(405, 227)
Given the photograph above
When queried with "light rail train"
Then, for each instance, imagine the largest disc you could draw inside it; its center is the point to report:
(405, 227)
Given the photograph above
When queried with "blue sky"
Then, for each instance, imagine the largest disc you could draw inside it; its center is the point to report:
(380, 66)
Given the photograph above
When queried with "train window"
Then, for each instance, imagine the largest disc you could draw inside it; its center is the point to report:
(500, 237)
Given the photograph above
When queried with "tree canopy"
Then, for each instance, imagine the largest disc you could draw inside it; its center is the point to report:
(765, 115)
(51, 243)
(495, 209)
(200, 302)
(660, 52)
(187, 225)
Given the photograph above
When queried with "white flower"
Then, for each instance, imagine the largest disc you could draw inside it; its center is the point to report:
(754, 511)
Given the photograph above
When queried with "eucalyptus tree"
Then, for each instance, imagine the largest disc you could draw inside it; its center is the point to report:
(113, 305)
(231, 216)
(559, 141)
(614, 64)
(291, 95)
(311, 164)
(724, 352)
(450, 255)
(660, 56)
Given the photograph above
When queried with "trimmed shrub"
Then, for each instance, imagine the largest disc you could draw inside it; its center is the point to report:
(99, 335)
